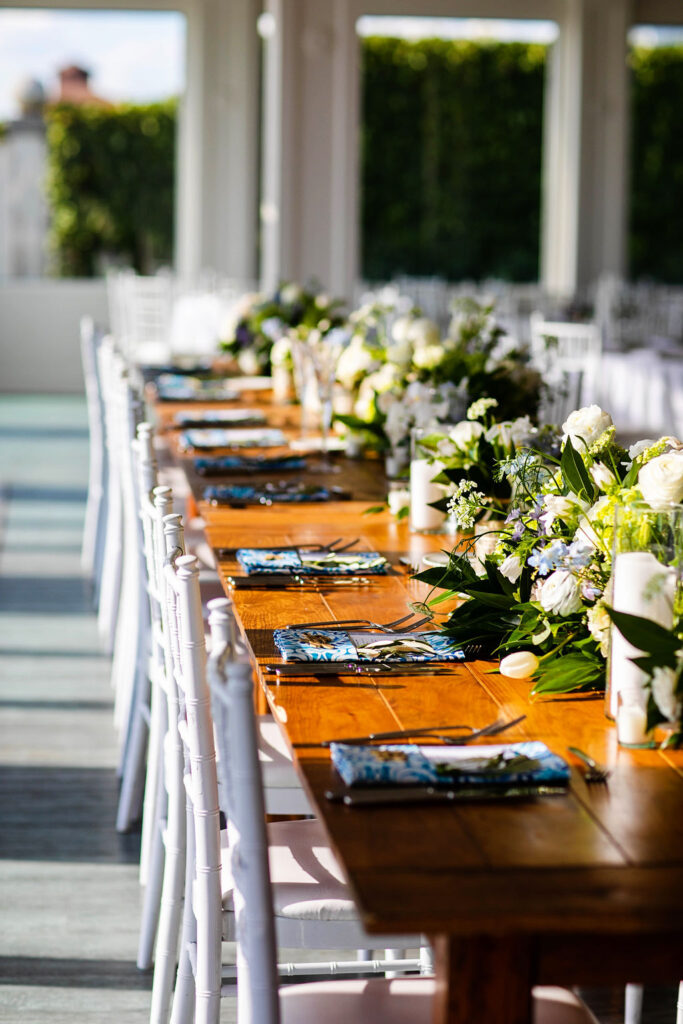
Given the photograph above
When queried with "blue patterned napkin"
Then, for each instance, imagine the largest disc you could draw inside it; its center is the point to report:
(340, 645)
(236, 437)
(271, 494)
(179, 387)
(248, 464)
(281, 560)
(502, 764)
(220, 418)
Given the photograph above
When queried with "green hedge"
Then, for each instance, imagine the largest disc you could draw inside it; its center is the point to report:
(111, 185)
(451, 166)
(451, 158)
(656, 227)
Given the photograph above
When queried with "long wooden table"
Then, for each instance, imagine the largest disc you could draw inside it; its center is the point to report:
(582, 889)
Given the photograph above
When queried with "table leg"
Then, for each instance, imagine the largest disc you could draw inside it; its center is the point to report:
(482, 979)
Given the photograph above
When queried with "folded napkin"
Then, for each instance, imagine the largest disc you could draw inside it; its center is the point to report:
(177, 387)
(281, 560)
(248, 464)
(500, 764)
(220, 418)
(237, 437)
(270, 494)
(340, 645)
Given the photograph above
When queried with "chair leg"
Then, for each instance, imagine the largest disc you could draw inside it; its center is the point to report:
(426, 960)
(152, 902)
(394, 954)
(133, 767)
(182, 1011)
(633, 1004)
(176, 891)
(679, 1005)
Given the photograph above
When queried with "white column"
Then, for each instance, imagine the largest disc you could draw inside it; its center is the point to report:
(217, 182)
(585, 196)
(309, 203)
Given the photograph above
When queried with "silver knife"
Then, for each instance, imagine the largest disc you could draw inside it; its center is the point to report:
(367, 796)
(357, 668)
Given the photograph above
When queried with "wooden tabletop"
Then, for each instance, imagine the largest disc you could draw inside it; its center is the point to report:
(585, 888)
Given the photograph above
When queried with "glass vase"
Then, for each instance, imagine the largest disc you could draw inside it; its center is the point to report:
(646, 581)
(423, 491)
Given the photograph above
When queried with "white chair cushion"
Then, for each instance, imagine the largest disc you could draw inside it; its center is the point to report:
(307, 883)
(402, 1001)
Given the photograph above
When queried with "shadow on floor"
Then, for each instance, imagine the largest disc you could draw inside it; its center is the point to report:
(62, 814)
(53, 972)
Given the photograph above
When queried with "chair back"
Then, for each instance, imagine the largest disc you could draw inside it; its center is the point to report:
(232, 694)
(182, 574)
(560, 350)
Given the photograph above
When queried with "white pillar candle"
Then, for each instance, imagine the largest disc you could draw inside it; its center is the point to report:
(423, 518)
(632, 725)
(645, 587)
(283, 386)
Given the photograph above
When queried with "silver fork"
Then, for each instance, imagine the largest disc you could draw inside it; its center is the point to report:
(362, 624)
(594, 772)
(492, 729)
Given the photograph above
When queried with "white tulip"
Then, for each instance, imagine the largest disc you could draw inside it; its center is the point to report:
(511, 568)
(519, 665)
(584, 426)
(560, 594)
(661, 480)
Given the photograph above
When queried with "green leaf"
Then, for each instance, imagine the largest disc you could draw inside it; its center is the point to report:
(645, 634)
(564, 674)
(575, 472)
(373, 510)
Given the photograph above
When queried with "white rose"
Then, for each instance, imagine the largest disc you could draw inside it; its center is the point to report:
(290, 294)
(354, 361)
(511, 568)
(427, 357)
(663, 682)
(465, 432)
(519, 665)
(661, 481)
(423, 332)
(400, 331)
(560, 594)
(599, 623)
(586, 425)
(602, 476)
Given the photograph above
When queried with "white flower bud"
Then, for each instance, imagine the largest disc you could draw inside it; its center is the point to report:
(519, 665)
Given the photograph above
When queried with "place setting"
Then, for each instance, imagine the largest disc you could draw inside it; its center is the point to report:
(336, 563)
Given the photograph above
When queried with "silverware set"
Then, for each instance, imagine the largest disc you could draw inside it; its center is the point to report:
(425, 732)
(594, 773)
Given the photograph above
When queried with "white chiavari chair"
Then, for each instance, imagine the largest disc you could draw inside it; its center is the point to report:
(400, 1001)
(314, 909)
(94, 526)
(166, 803)
(568, 356)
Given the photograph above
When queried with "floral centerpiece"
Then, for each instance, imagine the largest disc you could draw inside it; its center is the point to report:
(261, 321)
(545, 594)
(405, 374)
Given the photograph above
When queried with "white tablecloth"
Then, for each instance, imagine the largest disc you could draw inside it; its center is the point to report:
(643, 392)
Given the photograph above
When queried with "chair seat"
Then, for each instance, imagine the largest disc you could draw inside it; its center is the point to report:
(307, 883)
(403, 1001)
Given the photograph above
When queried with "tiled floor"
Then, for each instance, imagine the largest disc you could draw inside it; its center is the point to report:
(69, 895)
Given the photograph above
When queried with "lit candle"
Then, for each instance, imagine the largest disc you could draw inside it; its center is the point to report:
(632, 725)
(424, 518)
(644, 587)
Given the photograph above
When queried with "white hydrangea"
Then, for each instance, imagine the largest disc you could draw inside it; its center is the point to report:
(465, 433)
(599, 623)
(355, 361)
(663, 683)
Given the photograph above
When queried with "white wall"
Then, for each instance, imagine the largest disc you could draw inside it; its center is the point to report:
(39, 332)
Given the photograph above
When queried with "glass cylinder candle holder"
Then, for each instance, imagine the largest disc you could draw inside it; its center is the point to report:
(646, 581)
(632, 728)
(423, 491)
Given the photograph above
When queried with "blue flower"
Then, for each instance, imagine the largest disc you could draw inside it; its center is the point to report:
(579, 555)
(547, 559)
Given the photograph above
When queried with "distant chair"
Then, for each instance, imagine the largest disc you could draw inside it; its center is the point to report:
(568, 355)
